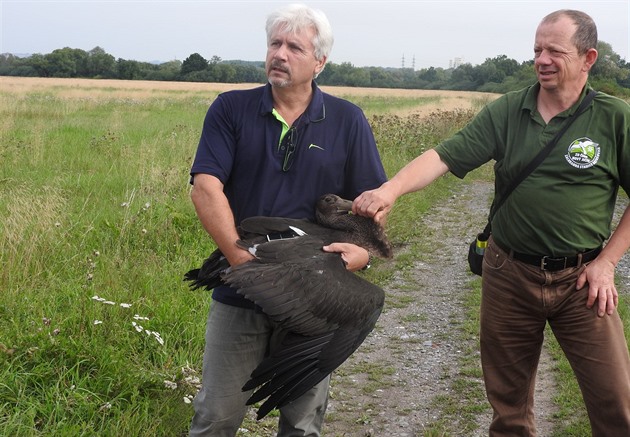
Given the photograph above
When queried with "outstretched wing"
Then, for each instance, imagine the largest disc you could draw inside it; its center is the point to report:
(326, 311)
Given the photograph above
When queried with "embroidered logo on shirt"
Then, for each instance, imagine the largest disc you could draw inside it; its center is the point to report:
(583, 153)
(311, 146)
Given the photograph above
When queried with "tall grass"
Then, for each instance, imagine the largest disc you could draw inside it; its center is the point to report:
(97, 229)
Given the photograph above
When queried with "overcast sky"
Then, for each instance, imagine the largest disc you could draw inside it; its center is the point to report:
(367, 33)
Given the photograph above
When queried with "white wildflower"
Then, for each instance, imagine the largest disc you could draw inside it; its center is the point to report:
(138, 317)
(192, 380)
(149, 333)
(125, 305)
(187, 370)
(158, 337)
(170, 384)
(100, 299)
(98, 322)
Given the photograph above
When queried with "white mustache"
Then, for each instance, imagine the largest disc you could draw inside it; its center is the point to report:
(278, 66)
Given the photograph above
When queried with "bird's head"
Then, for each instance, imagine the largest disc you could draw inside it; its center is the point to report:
(331, 205)
(334, 212)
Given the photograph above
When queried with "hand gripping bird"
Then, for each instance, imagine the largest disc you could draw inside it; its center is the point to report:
(324, 311)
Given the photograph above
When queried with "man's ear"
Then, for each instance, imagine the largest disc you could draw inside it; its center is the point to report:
(590, 58)
(320, 65)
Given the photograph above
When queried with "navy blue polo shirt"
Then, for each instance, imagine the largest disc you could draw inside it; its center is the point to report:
(335, 152)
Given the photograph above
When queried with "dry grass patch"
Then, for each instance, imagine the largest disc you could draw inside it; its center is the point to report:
(143, 90)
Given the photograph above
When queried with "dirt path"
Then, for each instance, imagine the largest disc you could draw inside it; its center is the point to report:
(401, 379)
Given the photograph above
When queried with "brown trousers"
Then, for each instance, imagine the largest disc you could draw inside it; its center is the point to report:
(518, 300)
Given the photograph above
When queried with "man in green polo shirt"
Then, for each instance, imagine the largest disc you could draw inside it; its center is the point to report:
(544, 262)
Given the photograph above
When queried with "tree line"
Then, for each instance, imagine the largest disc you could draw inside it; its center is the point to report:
(500, 74)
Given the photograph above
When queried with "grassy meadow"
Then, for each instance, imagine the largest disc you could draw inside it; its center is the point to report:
(99, 335)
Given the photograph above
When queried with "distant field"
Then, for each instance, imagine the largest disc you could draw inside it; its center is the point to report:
(96, 88)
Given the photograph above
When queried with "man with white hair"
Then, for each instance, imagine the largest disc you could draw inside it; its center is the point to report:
(273, 151)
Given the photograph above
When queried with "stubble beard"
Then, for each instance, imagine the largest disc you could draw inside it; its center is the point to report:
(280, 83)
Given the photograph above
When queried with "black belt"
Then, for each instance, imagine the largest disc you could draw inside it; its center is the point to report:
(556, 263)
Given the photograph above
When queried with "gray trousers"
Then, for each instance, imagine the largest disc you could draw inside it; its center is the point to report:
(237, 339)
(518, 300)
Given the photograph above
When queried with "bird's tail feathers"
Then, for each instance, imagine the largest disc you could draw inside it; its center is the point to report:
(209, 275)
(191, 275)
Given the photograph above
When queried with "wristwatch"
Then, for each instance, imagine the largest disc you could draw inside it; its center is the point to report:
(369, 263)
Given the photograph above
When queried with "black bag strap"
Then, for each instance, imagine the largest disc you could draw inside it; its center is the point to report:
(537, 159)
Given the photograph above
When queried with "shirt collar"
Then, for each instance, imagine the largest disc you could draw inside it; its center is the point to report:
(315, 111)
(530, 98)
(532, 94)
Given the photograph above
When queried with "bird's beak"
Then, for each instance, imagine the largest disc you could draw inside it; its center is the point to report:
(343, 206)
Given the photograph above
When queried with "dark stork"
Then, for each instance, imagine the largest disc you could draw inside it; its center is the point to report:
(324, 311)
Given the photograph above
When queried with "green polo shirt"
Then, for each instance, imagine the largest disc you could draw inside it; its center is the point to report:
(566, 205)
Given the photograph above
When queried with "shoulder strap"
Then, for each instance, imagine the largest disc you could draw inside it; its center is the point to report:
(496, 204)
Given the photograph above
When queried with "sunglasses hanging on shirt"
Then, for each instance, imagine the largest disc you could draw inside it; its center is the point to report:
(289, 144)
